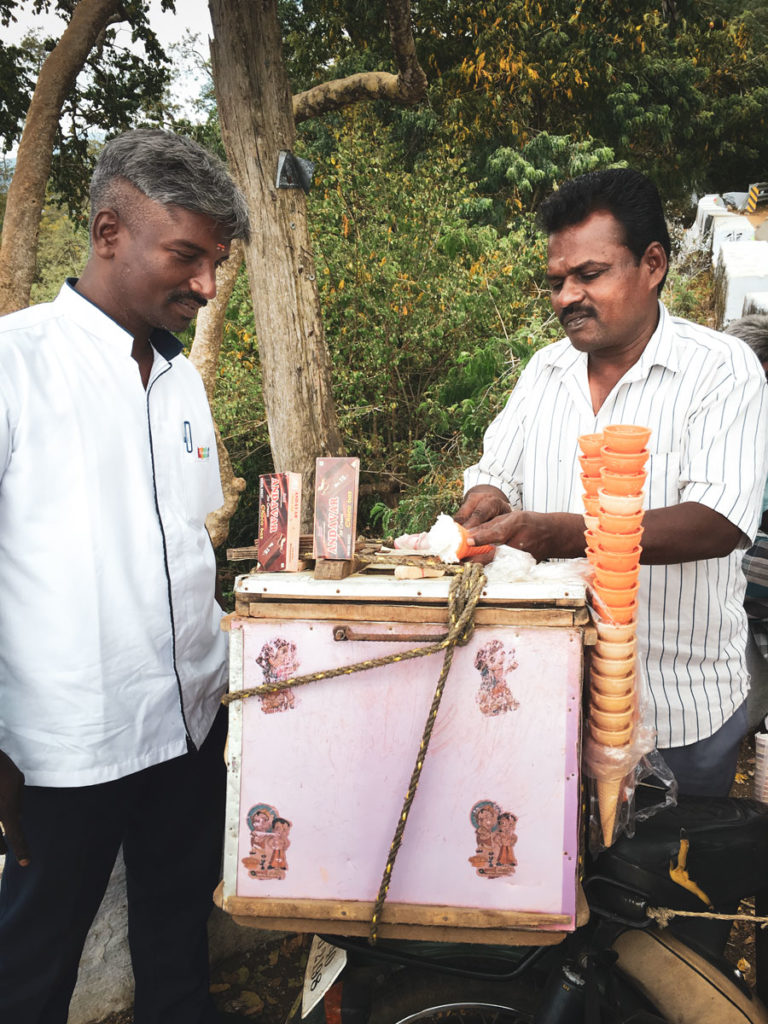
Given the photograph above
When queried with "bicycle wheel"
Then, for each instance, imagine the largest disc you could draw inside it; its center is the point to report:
(447, 1000)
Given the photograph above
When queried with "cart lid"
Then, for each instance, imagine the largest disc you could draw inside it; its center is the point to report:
(370, 587)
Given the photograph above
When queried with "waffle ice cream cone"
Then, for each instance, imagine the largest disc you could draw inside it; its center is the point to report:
(608, 792)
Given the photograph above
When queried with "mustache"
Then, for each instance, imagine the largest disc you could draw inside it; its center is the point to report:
(189, 296)
(575, 308)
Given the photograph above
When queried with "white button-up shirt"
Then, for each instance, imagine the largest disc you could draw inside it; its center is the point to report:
(703, 395)
(110, 648)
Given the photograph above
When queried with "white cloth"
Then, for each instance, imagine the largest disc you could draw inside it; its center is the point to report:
(703, 395)
(109, 630)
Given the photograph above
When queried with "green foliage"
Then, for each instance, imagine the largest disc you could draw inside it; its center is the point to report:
(62, 253)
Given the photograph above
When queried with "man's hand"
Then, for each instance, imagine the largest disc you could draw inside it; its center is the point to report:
(11, 786)
(481, 504)
(542, 534)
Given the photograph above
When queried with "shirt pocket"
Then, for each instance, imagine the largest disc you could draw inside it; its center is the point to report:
(200, 484)
(662, 486)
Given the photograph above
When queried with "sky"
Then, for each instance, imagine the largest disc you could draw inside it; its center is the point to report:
(191, 14)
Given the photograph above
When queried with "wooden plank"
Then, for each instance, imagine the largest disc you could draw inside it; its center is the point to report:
(359, 612)
(243, 554)
(394, 913)
(252, 553)
(335, 568)
(481, 936)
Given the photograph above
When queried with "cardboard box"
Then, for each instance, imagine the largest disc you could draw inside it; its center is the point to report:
(336, 489)
(279, 522)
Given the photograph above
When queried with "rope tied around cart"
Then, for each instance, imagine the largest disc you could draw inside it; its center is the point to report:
(463, 595)
(663, 916)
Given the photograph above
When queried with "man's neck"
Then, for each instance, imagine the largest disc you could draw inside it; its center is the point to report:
(141, 350)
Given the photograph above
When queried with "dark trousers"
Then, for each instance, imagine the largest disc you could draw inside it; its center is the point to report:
(707, 768)
(170, 821)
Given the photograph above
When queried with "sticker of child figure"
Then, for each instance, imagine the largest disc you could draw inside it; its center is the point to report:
(494, 662)
(495, 838)
(269, 842)
(279, 661)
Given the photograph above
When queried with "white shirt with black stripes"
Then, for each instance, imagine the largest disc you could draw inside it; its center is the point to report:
(704, 396)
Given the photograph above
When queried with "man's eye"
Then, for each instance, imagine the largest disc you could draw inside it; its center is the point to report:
(186, 256)
(591, 276)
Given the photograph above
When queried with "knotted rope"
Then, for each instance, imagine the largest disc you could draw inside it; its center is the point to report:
(663, 916)
(463, 595)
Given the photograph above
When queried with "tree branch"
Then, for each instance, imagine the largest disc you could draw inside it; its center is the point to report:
(408, 86)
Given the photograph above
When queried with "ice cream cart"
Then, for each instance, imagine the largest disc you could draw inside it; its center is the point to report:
(317, 773)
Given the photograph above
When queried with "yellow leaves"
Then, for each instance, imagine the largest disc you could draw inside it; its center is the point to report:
(345, 225)
(341, 285)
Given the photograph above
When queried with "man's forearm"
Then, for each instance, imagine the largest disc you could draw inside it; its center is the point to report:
(681, 533)
(689, 532)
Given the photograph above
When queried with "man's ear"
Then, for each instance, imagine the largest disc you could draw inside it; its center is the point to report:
(656, 260)
(104, 233)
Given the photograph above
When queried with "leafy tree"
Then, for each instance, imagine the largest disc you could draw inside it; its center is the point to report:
(118, 84)
(258, 117)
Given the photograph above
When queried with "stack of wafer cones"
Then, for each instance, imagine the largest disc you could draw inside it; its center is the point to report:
(614, 478)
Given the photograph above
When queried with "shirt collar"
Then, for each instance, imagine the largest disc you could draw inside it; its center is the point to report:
(95, 320)
(658, 352)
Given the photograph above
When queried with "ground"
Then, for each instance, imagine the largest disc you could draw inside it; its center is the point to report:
(263, 984)
(259, 985)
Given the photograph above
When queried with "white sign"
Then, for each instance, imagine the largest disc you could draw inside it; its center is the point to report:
(325, 964)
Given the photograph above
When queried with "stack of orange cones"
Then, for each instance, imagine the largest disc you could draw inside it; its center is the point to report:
(614, 531)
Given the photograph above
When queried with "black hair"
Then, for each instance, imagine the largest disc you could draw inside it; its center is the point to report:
(630, 196)
(753, 329)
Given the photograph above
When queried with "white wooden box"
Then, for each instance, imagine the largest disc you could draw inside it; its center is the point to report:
(318, 774)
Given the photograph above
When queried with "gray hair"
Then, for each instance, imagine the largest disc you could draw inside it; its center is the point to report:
(173, 171)
(752, 329)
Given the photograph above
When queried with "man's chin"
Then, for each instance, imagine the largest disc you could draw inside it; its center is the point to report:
(582, 337)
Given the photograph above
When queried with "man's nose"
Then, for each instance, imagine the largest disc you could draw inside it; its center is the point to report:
(204, 280)
(570, 292)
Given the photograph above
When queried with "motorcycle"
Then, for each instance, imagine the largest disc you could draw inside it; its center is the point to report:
(621, 967)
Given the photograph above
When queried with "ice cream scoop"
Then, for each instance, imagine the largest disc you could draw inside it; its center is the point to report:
(448, 540)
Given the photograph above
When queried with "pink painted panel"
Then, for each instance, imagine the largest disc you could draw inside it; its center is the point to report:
(325, 769)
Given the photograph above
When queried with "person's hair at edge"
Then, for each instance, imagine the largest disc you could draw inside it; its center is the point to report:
(753, 329)
(171, 170)
(630, 196)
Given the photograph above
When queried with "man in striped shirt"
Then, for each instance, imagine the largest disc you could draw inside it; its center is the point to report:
(627, 360)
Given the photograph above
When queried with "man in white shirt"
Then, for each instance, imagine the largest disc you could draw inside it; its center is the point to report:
(627, 360)
(112, 663)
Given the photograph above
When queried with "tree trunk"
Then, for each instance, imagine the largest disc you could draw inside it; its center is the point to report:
(256, 116)
(26, 194)
(204, 354)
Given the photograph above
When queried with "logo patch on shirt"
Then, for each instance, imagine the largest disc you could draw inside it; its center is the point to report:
(203, 453)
